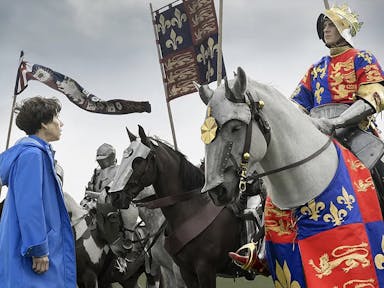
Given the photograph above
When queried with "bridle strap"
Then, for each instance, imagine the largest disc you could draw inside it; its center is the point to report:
(255, 175)
(248, 135)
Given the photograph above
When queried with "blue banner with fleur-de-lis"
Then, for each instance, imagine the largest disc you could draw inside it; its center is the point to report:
(187, 34)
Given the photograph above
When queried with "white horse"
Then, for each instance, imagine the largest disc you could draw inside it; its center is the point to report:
(322, 218)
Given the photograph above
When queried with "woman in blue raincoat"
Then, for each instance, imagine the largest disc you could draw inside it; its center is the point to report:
(36, 240)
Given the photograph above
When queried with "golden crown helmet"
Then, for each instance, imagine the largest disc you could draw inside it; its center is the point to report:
(346, 22)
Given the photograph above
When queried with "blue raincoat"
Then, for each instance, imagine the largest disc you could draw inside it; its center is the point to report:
(34, 221)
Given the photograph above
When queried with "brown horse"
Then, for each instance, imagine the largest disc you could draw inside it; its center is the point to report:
(199, 235)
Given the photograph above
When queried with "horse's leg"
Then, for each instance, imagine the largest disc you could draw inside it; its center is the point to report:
(153, 281)
(89, 279)
(206, 275)
(190, 278)
(131, 282)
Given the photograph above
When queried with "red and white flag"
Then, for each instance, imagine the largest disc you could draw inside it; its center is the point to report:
(21, 77)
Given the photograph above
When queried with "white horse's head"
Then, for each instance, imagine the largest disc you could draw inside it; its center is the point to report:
(228, 127)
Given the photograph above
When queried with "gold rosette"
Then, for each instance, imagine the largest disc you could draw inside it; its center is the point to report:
(208, 130)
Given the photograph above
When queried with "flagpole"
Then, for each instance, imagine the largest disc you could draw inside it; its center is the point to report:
(11, 121)
(326, 4)
(220, 40)
(14, 101)
(164, 83)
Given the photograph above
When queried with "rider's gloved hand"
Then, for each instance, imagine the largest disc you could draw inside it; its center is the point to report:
(327, 126)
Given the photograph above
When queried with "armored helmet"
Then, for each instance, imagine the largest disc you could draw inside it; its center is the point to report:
(106, 155)
(346, 22)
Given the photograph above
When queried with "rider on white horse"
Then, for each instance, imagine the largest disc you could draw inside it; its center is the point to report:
(354, 79)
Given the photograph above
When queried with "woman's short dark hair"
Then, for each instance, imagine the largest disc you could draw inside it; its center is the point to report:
(36, 110)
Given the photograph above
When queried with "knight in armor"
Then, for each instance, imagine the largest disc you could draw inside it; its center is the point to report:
(342, 93)
(96, 191)
(102, 176)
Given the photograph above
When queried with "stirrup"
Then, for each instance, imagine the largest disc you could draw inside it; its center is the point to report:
(250, 262)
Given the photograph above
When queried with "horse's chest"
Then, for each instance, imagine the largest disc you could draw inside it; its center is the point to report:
(94, 251)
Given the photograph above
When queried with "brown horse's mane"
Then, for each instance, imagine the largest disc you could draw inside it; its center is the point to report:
(192, 176)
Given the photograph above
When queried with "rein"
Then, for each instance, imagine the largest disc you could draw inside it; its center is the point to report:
(152, 202)
(256, 114)
(255, 175)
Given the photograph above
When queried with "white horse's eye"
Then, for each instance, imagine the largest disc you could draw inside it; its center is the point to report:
(236, 128)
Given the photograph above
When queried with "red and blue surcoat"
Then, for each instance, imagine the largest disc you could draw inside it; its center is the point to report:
(336, 79)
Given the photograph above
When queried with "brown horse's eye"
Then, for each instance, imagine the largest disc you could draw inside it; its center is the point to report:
(113, 216)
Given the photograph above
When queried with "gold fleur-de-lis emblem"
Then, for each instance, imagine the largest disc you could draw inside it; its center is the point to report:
(346, 199)
(178, 19)
(318, 72)
(284, 277)
(203, 55)
(173, 40)
(318, 92)
(209, 128)
(206, 55)
(336, 216)
(379, 258)
(163, 24)
(313, 209)
(367, 56)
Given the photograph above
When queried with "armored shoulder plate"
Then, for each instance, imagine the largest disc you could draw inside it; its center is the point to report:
(372, 93)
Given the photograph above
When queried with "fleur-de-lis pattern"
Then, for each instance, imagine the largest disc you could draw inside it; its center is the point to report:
(379, 258)
(312, 209)
(284, 277)
(337, 78)
(346, 199)
(334, 240)
(187, 36)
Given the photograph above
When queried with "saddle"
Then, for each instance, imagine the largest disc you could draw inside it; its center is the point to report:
(366, 146)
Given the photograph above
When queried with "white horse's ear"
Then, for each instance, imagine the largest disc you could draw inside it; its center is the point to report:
(205, 92)
(143, 137)
(241, 82)
(131, 136)
(236, 93)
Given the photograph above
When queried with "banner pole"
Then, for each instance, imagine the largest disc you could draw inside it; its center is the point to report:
(220, 40)
(164, 83)
(11, 121)
(326, 4)
(14, 100)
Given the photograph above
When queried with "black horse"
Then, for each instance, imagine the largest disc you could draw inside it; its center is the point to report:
(199, 235)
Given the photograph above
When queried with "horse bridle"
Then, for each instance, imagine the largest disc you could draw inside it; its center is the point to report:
(138, 180)
(242, 168)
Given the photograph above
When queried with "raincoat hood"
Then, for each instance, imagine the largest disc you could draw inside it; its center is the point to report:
(8, 157)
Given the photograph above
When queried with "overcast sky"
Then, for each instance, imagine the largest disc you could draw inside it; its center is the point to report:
(109, 48)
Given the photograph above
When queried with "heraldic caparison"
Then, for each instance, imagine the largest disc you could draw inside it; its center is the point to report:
(338, 213)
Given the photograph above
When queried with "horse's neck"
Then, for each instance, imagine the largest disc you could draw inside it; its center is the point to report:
(294, 138)
(153, 218)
